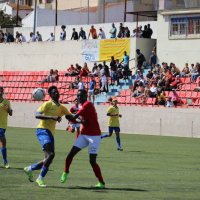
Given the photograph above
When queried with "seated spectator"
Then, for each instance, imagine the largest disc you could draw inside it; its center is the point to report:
(9, 37)
(1, 36)
(176, 83)
(71, 71)
(186, 71)
(113, 31)
(52, 77)
(17, 36)
(101, 34)
(175, 70)
(85, 71)
(160, 98)
(32, 37)
(106, 69)
(51, 38)
(195, 72)
(153, 91)
(92, 33)
(22, 38)
(169, 103)
(174, 97)
(74, 84)
(63, 33)
(74, 34)
(95, 70)
(135, 35)
(38, 37)
(82, 34)
(139, 92)
(78, 68)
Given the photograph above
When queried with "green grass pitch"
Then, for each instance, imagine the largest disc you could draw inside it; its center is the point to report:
(149, 168)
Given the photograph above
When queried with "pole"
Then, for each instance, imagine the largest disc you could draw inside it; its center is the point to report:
(88, 17)
(35, 12)
(125, 3)
(17, 17)
(104, 11)
(56, 14)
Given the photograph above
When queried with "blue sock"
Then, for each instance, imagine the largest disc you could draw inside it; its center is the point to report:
(118, 142)
(4, 154)
(43, 171)
(36, 166)
(104, 135)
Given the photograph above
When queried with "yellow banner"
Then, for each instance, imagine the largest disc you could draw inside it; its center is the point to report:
(114, 47)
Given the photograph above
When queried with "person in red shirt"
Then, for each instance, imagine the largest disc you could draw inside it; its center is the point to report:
(73, 125)
(93, 33)
(90, 137)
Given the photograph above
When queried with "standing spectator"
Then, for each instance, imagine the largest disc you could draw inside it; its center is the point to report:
(121, 31)
(140, 60)
(93, 33)
(5, 110)
(125, 67)
(32, 37)
(91, 90)
(149, 31)
(51, 38)
(81, 85)
(113, 70)
(74, 34)
(63, 33)
(140, 31)
(38, 37)
(113, 31)
(101, 34)
(126, 32)
(145, 32)
(82, 34)
(152, 59)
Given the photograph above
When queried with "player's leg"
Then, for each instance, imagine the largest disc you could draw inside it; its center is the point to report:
(109, 134)
(118, 140)
(94, 142)
(97, 171)
(3, 147)
(79, 144)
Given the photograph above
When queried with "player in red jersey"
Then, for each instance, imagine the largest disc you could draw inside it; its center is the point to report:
(73, 126)
(90, 137)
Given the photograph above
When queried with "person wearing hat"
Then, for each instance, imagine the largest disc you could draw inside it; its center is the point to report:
(113, 123)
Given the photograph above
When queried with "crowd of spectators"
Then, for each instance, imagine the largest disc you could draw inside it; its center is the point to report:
(121, 32)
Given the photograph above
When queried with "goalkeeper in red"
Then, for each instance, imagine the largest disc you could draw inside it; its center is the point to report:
(90, 137)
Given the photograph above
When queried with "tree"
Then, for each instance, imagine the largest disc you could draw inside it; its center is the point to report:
(6, 20)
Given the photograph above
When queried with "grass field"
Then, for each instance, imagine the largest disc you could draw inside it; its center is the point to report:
(150, 167)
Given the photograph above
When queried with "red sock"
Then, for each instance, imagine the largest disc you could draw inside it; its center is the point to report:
(97, 172)
(67, 165)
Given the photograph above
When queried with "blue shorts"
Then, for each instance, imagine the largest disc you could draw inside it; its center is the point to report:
(45, 137)
(111, 129)
(2, 132)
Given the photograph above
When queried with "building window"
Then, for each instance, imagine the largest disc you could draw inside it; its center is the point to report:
(184, 27)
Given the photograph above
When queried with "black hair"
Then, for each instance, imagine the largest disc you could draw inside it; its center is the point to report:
(51, 88)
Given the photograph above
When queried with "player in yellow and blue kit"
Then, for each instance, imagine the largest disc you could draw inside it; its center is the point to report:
(5, 110)
(113, 123)
(49, 113)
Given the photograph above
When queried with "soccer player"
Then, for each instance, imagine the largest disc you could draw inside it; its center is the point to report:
(90, 137)
(5, 110)
(49, 113)
(73, 125)
(114, 126)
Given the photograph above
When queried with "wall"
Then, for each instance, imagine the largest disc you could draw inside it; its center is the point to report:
(46, 55)
(178, 51)
(141, 120)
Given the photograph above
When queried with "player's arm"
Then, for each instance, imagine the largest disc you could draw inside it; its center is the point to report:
(8, 109)
(74, 118)
(39, 115)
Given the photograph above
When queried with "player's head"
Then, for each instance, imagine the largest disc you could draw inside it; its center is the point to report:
(1, 92)
(54, 93)
(114, 101)
(82, 96)
(76, 101)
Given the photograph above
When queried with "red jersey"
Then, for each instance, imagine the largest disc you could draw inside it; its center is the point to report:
(90, 126)
(74, 110)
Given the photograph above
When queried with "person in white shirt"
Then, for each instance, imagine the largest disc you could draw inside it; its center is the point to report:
(81, 85)
(22, 38)
(51, 38)
(32, 37)
(101, 34)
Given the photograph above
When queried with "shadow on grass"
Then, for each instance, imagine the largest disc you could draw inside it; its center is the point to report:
(96, 189)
